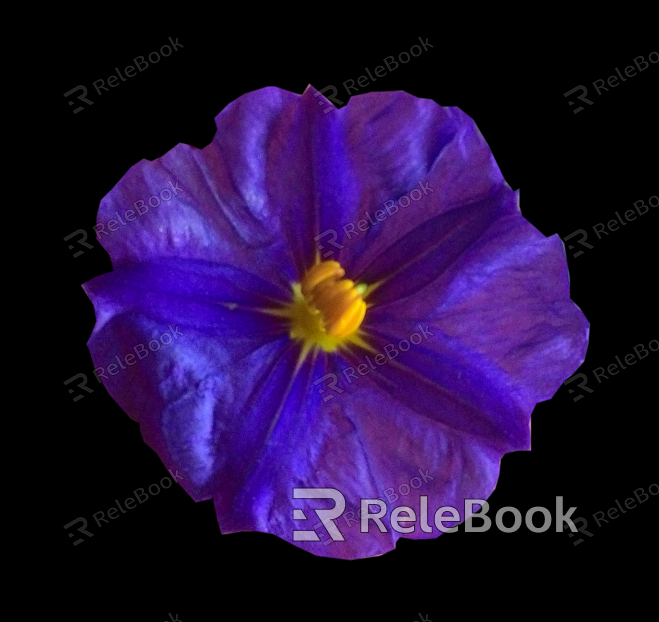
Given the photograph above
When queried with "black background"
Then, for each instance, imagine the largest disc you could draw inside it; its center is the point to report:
(574, 171)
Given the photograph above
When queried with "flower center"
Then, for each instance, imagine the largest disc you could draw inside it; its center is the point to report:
(327, 309)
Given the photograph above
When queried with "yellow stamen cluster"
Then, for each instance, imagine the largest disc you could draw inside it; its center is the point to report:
(327, 309)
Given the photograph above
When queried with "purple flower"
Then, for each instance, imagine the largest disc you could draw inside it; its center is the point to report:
(444, 319)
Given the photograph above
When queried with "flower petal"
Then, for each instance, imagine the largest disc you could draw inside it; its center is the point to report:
(364, 444)
(279, 172)
(397, 143)
(426, 252)
(436, 377)
(253, 195)
(187, 389)
(506, 298)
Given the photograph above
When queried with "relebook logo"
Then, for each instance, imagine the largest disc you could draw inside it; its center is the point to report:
(407, 515)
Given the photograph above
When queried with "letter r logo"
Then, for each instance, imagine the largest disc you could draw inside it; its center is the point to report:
(80, 385)
(582, 97)
(332, 241)
(82, 241)
(582, 384)
(581, 240)
(333, 98)
(326, 516)
(82, 98)
(82, 529)
(331, 385)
